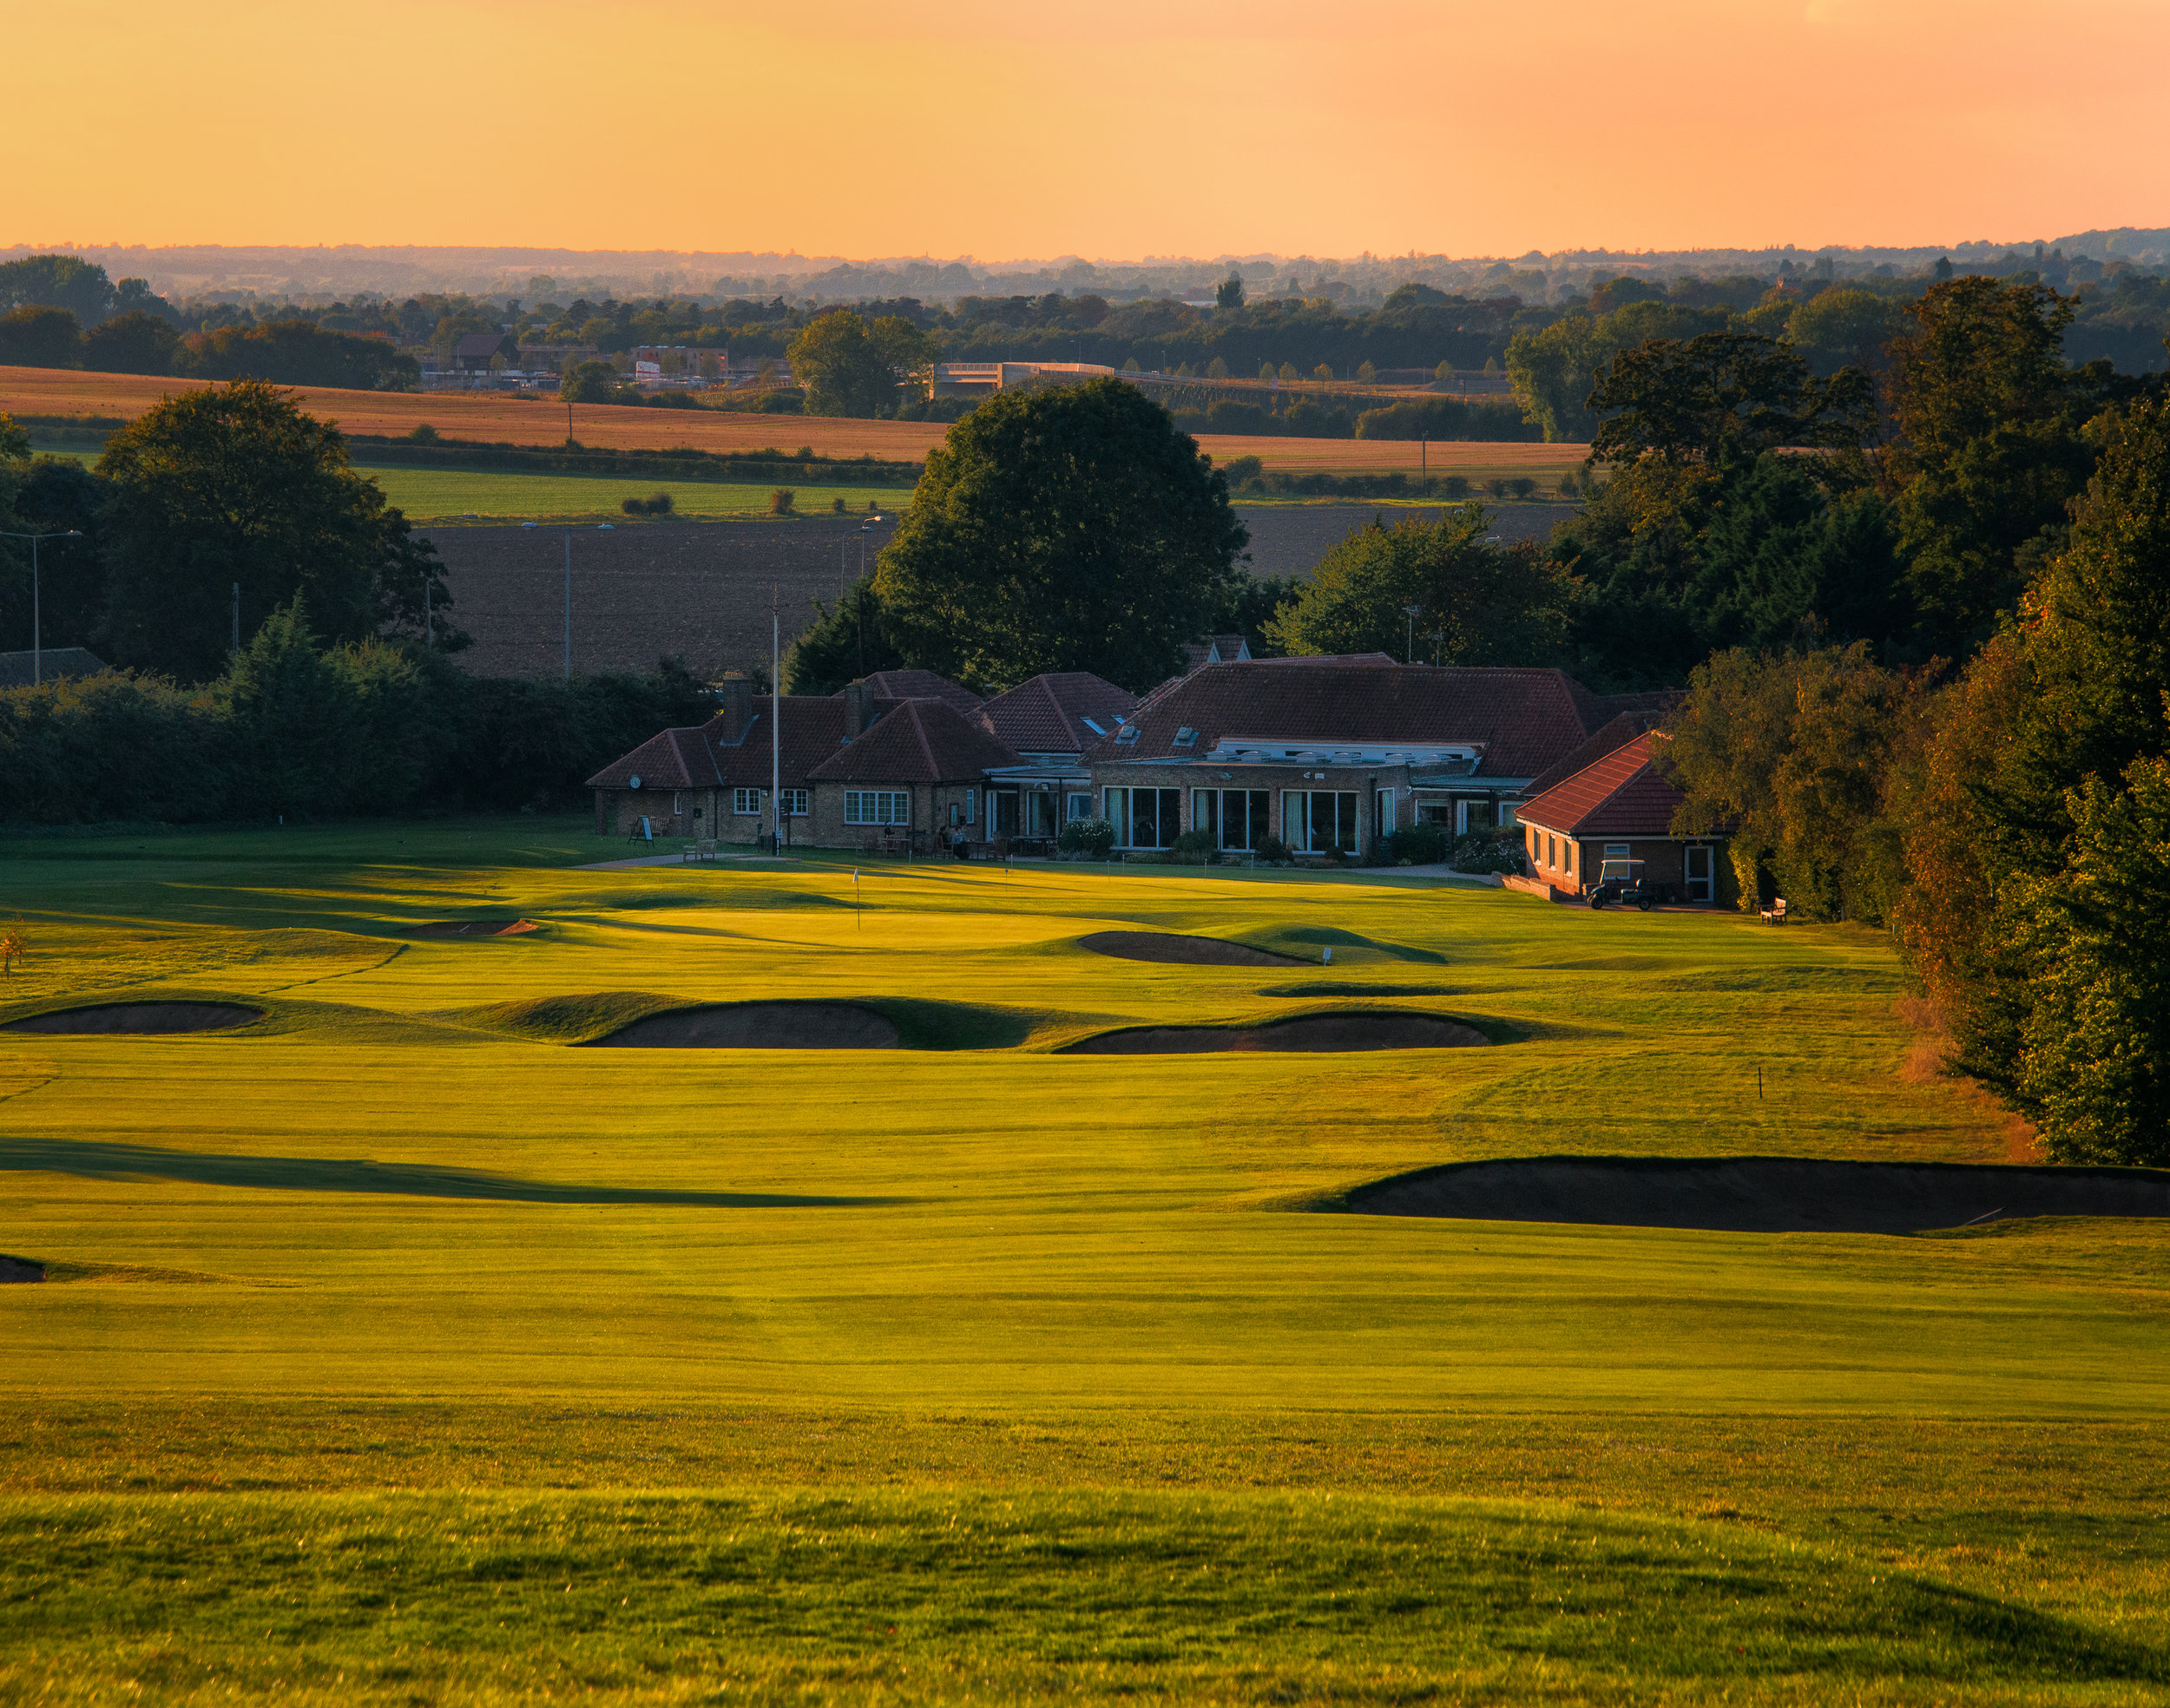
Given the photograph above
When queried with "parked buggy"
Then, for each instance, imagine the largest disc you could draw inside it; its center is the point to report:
(1620, 883)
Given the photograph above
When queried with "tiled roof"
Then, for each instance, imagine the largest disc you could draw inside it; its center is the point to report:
(1620, 795)
(812, 732)
(1525, 720)
(1045, 714)
(921, 684)
(1615, 734)
(920, 741)
(16, 669)
(705, 758)
(675, 758)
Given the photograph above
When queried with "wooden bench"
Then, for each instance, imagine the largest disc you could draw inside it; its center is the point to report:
(1776, 912)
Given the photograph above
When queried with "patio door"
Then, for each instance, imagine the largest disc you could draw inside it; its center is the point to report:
(1699, 873)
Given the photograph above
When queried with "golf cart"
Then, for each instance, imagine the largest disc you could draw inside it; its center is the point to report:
(1619, 882)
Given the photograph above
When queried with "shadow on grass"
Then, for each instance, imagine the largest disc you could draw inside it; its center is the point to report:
(324, 1174)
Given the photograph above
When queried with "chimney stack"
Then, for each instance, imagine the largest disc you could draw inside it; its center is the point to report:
(734, 698)
(858, 708)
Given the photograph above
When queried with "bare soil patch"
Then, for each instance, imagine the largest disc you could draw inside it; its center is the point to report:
(141, 1017)
(1169, 949)
(1370, 1030)
(1763, 1194)
(472, 928)
(761, 1026)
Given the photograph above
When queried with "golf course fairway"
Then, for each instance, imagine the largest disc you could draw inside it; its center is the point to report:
(400, 1341)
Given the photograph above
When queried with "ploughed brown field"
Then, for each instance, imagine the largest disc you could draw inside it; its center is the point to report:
(497, 417)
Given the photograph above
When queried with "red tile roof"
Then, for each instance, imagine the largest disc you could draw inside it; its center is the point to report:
(920, 741)
(1524, 719)
(921, 684)
(1045, 714)
(706, 757)
(1620, 795)
(1615, 734)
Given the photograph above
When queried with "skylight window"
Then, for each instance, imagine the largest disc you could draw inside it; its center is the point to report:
(1187, 737)
(1092, 726)
(1128, 732)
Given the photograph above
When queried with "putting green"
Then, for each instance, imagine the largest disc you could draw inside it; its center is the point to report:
(404, 1194)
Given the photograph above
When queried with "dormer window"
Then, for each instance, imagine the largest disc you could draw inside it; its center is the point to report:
(1187, 737)
(1128, 733)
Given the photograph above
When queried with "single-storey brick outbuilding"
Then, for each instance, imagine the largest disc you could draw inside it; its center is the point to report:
(1617, 805)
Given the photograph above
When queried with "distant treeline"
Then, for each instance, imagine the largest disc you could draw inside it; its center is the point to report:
(293, 728)
(678, 465)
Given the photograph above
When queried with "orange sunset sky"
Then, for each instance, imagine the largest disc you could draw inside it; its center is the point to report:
(1113, 130)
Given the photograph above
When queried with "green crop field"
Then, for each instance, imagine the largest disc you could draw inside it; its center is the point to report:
(454, 494)
(399, 1347)
(443, 494)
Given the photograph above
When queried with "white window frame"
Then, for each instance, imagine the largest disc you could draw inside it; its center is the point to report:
(1385, 809)
(746, 803)
(795, 803)
(1618, 850)
(879, 808)
(1078, 806)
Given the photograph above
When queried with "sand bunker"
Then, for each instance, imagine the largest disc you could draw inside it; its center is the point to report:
(20, 1268)
(1174, 951)
(472, 928)
(762, 1026)
(1763, 1194)
(143, 1017)
(1376, 1030)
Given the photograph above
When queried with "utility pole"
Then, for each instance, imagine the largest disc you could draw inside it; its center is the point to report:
(776, 711)
(1409, 653)
(37, 621)
(569, 605)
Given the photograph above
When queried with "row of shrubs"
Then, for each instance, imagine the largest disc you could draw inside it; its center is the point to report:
(1413, 845)
(379, 728)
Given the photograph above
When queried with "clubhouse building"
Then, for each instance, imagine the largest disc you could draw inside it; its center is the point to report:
(1327, 754)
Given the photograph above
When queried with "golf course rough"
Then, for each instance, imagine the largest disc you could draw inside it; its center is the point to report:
(406, 1352)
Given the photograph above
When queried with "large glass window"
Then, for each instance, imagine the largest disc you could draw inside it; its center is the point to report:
(1316, 821)
(876, 807)
(1081, 807)
(1239, 819)
(1040, 813)
(1145, 817)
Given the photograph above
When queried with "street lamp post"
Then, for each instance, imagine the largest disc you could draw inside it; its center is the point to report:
(1409, 653)
(37, 642)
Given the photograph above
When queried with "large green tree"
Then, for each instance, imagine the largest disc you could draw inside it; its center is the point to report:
(1477, 601)
(297, 352)
(2037, 808)
(1067, 528)
(1790, 758)
(851, 366)
(236, 484)
(136, 343)
(40, 338)
(1724, 393)
(58, 281)
(848, 640)
(1989, 450)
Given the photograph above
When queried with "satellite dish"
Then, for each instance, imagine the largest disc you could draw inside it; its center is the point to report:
(636, 780)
